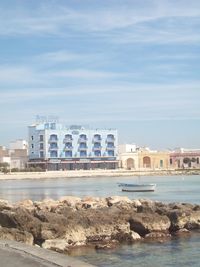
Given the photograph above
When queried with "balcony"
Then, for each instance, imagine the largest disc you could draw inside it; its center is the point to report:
(68, 148)
(82, 140)
(53, 148)
(97, 138)
(110, 148)
(96, 148)
(67, 139)
(83, 148)
(53, 140)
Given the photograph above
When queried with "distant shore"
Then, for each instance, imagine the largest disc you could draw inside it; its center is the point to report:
(93, 173)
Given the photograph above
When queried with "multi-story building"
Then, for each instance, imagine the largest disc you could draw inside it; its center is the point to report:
(53, 146)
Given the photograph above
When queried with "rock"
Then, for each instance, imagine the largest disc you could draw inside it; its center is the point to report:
(146, 223)
(136, 203)
(184, 219)
(16, 235)
(182, 232)
(107, 245)
(128, 236)
(46, 205)
(27, 204)
(21, 219)
(5, 205)
(71, 201)
(117, 199)
(92, 202)
(158, 235)
(59, 245)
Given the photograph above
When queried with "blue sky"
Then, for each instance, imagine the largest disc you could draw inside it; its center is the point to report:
(133, 65)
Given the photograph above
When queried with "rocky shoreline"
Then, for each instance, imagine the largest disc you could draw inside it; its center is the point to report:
(70, 222)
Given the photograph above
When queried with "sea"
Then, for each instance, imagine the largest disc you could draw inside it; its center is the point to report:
(182, 251)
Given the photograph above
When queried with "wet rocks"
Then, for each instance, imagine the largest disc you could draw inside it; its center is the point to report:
(100, 222)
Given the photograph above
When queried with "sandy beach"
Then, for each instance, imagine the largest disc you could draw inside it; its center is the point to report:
(91, 173)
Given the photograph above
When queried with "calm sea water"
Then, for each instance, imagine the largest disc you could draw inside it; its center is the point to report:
(176, 252)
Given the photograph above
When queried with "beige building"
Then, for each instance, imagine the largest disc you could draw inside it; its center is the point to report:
(128, 156)
(134, 158)
(154, 160)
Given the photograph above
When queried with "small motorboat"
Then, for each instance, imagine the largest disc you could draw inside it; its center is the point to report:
(137, 187)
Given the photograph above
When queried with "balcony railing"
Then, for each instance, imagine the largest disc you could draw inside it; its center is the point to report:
(83, 148)
(95, 148)
(68, 148)
(67, 139)
(53, 148)
(97, 139)
(110, 148)
(110, 139)
(82, 140)
(52, 140)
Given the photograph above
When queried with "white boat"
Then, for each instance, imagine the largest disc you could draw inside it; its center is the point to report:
(137, 187)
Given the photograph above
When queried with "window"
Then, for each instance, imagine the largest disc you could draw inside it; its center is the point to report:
(197, 160)
(53, 145)
(32, 137)
(53, 137)
(97, 137)
(111, 153)
(41, 138)
(41, 146)
(170, 161)
(32, 145)
(53, 154)
(97, 153)
(83, 154)
(161, 163)
(68, 154)
(41, 154)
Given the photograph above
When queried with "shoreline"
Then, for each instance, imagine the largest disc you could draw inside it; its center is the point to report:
(93, 173)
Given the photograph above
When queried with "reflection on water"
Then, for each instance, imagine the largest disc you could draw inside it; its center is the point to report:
(175, 252)
(169, 188)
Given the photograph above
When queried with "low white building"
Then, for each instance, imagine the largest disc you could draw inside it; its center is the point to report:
(18, 144)
(128, 156)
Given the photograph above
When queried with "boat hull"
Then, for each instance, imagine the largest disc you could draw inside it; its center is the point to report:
(138, 187)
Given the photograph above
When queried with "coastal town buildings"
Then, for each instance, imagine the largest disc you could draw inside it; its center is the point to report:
(53, 146)
(153, 159)
(16, 156)
(128, 155)
(18, 151)
(142, 158)
(182, 158)
(4, 155)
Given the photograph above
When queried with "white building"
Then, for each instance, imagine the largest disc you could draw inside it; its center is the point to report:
(18, 144)
(128, 155)
(54, 146)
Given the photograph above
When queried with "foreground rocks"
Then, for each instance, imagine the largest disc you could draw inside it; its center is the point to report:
(100, 222)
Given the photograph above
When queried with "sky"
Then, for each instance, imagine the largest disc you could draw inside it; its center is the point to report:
(133, 65)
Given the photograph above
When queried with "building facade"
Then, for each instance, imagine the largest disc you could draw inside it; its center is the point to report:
(53, 146)
(185, 158)
(138, 158)
(128, 155)
(153, 159)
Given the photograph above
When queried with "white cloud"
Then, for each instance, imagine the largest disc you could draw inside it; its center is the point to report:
(131, 19)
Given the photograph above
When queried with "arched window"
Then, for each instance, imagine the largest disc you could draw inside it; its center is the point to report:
(53, 137)
(130, 163)
(147, 162)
